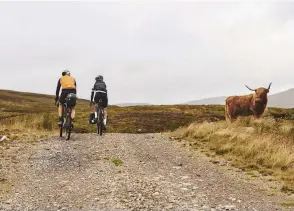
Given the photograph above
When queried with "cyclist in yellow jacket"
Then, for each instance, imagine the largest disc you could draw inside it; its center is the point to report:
(68, 84)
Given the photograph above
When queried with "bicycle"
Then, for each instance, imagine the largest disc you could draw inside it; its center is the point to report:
(66, 116)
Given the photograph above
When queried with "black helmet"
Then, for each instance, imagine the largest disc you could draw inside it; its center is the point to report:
(99, 78)
(65, 72)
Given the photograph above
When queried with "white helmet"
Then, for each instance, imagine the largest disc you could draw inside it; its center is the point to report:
(65, 72)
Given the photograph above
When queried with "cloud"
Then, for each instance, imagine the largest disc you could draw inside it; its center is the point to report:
(157, 52)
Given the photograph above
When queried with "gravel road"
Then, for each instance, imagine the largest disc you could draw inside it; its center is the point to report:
(124, 172)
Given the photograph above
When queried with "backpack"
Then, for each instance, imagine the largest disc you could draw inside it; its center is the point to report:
(71, 100)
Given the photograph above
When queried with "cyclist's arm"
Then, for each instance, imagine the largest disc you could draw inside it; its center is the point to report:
(92, 94)
(58, 89)
(76, 86)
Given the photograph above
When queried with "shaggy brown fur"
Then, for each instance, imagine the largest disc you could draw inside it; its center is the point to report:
(246, 105)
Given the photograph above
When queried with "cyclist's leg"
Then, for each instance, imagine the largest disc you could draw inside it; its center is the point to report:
(60, 114)
(105, 116)
(61, 101)
(105, 104)
(95, 110)
(96, 100)
(60, 108)
(73, 113)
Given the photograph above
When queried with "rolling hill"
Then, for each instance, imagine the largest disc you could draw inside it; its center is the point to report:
(21, 111)
(208, 101)
(133, 104)
(25, 113)
(280, 100)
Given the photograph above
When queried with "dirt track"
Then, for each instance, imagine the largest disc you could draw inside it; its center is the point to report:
(123, 172)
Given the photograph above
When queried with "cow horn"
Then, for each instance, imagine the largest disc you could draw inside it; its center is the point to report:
(250, 88)
(269, 86)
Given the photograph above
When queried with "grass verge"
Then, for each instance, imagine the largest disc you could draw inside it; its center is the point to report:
(265, 145)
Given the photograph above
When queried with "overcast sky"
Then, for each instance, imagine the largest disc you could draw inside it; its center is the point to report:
(150, 52)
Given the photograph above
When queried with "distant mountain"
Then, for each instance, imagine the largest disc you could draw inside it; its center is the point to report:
(133, 104)
(208, 101)
(280, 100)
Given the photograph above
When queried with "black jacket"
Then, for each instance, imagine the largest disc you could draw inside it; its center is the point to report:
(98, 86)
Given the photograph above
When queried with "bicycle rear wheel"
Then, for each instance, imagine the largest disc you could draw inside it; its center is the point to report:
(60, 131)
(61, 126)
(68, 125)
(99, 122)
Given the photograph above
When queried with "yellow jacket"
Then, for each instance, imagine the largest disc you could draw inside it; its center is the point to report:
(67, 82)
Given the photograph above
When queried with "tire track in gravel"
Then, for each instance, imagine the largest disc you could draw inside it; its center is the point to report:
(156, 174)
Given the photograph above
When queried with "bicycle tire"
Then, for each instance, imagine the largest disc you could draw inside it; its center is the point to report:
(61, 126)
(60, 131)
(68, 125)
(99, 122)
(101, 127)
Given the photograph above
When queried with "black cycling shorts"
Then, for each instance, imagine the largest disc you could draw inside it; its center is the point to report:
(103, 97)
(64, 94)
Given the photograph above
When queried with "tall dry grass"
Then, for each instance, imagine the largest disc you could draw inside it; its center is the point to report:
(266, 145)
(29, 127)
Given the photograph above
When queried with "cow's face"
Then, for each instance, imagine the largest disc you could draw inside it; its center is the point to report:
(261, 93)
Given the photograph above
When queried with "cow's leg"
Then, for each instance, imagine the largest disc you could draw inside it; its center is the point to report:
(256, 117)
(228, 120)
(227, 114)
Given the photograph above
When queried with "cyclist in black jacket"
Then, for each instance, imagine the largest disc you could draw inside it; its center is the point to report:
(99, 91)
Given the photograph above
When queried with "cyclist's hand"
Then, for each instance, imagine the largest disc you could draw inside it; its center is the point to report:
(56, 102)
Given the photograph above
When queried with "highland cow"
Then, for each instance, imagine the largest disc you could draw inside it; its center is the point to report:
(247, 105)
